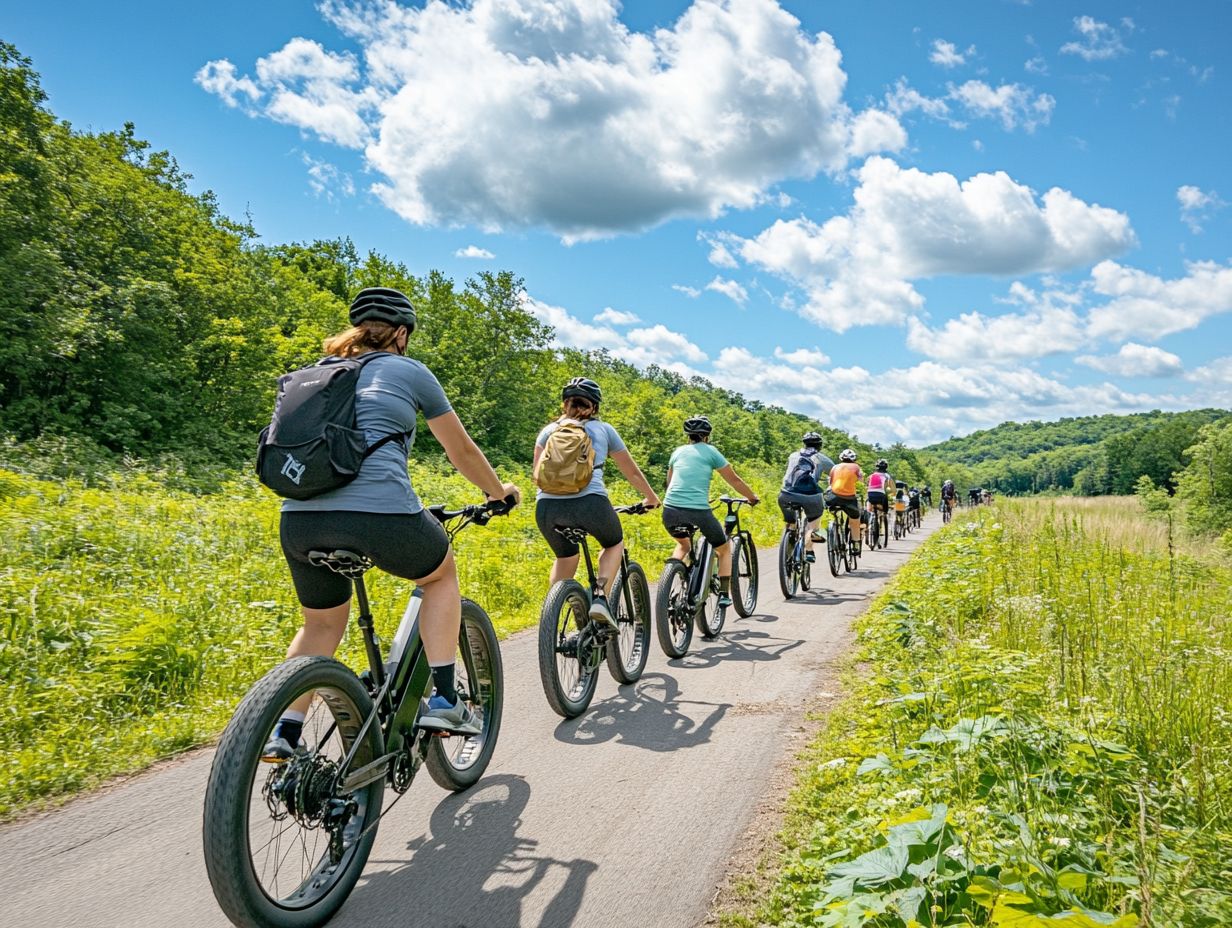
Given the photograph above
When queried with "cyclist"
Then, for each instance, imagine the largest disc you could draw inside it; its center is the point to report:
(949, 496)
(844, 478)
(687, 500)
(588, 509)
(926, 495)
(913, 503)
(802, 487)
(378, 514)
(880, 487)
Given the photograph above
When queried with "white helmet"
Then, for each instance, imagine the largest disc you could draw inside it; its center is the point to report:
(847, 456)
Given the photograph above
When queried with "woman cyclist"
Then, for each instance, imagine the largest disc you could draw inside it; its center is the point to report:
(588, 509)
(379, 516)
(845, 476)
(881, 487)
(802, 487)
(687, 500)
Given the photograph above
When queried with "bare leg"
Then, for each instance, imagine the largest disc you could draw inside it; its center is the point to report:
(725, 558)
(440, 618)
(609, 564)
(565, 568)
(683, 547)
(808, 535)
(323, 630)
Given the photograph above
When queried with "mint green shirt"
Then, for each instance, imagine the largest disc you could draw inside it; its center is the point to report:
(692, 466)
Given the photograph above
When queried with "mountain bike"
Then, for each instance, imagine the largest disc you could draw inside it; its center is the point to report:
(841, 550)
(571, 646)
(795, 572)
(947, 511)
(900, 524)
(878, 529)
(689, 590)
(285, 843)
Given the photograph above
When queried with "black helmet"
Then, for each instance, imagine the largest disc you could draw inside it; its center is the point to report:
(811, 440)
(583, 388)
(698, 425)
(883, 464)
(383, 305)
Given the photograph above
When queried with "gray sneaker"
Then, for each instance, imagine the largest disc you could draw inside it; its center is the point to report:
(277, 750)
(600, 611)
(457, 719)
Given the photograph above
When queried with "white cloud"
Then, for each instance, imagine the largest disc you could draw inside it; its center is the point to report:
(947, 55)
(720, 255)
(1218, 371)
(691, 292)
(1134, 360)
(660, 342)
(1036, 65)
(1098, 41)
(600, 129)
(730, 289)
(572, 332)
(1008, 337)
(617, 317)
(1013, 105)
(1144, 306)
(907, 224)
(1197, 206)
(326, 180)
(474, 251)
(804, 357)
(875, 130)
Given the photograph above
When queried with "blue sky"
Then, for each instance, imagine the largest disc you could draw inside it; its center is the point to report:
(909, 219)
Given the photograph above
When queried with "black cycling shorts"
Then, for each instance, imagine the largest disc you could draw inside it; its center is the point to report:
(849, 504)
(877, 500)
(675, 520)
(592, 513)
(407, 546)
(814, 508)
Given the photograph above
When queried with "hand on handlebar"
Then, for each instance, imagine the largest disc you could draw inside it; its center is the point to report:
(650, 502)
(512, 495)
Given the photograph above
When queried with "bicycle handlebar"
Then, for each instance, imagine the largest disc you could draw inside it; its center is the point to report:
(475, 514)
(734, 502)
(637, 509)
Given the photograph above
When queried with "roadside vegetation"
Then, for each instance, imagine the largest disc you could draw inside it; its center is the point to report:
(1036, 734)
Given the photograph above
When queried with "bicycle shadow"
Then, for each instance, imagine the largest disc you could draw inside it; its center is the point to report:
(648, 714)
(472, 870)
(738, 645)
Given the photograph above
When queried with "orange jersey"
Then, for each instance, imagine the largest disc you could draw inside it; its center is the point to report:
(843, 479)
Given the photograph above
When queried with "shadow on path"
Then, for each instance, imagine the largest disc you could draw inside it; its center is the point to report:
(472, 870)
(740, 645)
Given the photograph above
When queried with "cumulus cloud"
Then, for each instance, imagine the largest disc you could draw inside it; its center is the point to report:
(947, 55)
(661, 342)
(805, 357)
(1134, 360)
(1197, 205)
(1097, 41)
(906, 224)
(720, 255)
(617, 317)
(1009, 337)
(474, 251)
(572, 332)
(730, 289)
(1144, 306)
(1013, 105)
(875, 130)
(691, 292)
(600, 129)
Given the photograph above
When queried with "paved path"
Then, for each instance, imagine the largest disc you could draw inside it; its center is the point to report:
(624, 817)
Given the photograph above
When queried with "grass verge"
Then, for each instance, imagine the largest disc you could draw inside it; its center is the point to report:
(1037, 736)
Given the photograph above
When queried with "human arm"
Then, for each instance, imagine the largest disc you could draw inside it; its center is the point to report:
(465, 455)
(634, 475)
(729, 474)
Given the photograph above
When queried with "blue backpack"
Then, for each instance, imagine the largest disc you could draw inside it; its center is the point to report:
(803, 477)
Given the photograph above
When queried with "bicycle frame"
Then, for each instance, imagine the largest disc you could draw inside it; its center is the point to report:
(626, 593)
(702, 570)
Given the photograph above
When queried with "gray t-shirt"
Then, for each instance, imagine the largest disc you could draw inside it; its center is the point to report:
(821, 466)
(604, 439)
(391, 391)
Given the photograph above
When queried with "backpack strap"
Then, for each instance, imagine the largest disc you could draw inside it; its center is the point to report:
(393, 436)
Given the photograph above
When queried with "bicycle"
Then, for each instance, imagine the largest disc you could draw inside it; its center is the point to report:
(840, 548)
(795, 572)
(317, 813)
(689, 592)
(571, 646)
(879, 528)
(947, 511)
(900, 524)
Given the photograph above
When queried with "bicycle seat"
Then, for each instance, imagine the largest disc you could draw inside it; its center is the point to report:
(683, 528)
(574, 535)
(340, 561)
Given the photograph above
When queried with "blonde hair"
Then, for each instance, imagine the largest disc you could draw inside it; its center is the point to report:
(370, 335)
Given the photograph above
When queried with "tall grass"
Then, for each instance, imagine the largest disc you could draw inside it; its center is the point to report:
(134, 616)
(1042, 739)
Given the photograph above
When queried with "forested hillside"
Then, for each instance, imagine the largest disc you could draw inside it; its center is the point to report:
(1090, 455)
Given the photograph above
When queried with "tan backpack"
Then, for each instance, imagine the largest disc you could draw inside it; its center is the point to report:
(568, 459)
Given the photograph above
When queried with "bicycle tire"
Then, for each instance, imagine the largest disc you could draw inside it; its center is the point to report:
(457, 762)
(853, 557)
(673, 620)
(833, 555)
(237, 766)
(709, 617)
(566, 601)
(627, 653)
(745, 579)
(788, 578)
(806, 575)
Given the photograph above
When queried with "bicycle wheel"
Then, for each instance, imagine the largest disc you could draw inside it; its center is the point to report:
(789, 579)
(744, 578)
(673, 617)
(627, 652)
(898, 527)
(457, 762)
(853, 554)
(568, 656)
(283, 847)
(833, 554)
(806, 570)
